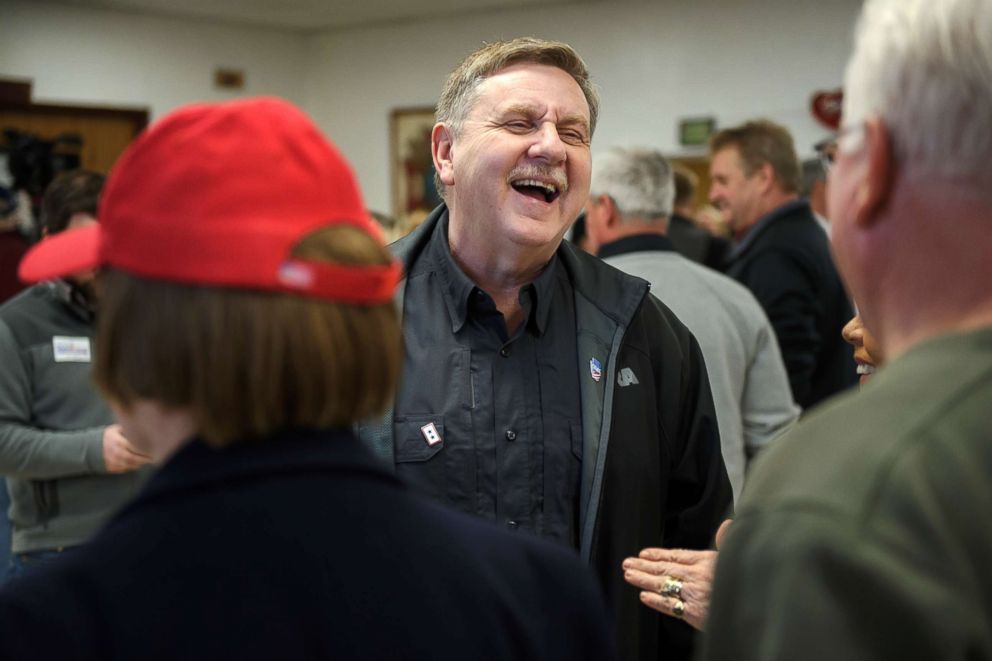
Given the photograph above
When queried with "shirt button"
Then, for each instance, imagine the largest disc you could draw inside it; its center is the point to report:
(511, 435)
(504, 352)
(512, 525)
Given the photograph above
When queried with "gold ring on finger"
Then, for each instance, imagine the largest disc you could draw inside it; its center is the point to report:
(672, 587)
(678, 610)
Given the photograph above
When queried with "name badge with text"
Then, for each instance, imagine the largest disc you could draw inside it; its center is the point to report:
(71, 349)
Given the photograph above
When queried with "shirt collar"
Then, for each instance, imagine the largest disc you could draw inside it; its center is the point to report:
(73, 298)
(778, 212)
(458, 288)
(636, 243)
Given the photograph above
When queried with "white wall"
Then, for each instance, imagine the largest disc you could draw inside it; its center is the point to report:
(654, 62)
(92, 56)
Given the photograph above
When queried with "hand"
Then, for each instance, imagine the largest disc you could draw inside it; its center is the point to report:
(687, 575)
(119, 455)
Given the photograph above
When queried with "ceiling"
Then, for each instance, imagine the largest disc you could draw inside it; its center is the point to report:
(309, 15)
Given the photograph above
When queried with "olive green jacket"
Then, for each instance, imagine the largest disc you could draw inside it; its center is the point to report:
(865, 533)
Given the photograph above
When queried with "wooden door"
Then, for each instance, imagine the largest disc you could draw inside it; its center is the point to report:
(105, 132)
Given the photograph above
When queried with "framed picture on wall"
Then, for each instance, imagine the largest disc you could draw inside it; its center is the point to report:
(414, 193)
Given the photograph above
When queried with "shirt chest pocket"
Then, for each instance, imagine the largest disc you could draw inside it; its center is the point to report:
(418, 437)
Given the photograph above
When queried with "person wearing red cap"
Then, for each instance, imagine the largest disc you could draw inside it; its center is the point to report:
(68, 465)
(543, 389)
(246, 323)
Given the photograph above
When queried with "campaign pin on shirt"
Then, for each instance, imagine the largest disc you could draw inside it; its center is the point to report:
(595, 369)
(430, 434)
(71, 349)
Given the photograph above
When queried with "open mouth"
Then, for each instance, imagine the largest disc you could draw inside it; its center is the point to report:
(865, 369)
(539, 190)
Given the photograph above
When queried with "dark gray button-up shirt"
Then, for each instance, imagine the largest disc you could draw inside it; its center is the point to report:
(488, 423)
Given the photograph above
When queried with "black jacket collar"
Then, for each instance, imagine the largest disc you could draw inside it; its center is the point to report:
(614, 292)
(798, 208)
(636, 243)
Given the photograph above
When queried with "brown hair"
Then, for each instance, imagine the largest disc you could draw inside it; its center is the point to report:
(458, 93)
(248, 363)
(759, 142)
(77, 191)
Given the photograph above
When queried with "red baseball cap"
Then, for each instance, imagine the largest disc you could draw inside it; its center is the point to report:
(219, 194)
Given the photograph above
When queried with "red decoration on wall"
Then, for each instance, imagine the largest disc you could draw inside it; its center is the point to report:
(827, 106)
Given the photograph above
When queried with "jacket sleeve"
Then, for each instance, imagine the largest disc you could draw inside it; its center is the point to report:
(796, 585)
(767, 408)
(26, 451)
(699, 495)
(788, 295)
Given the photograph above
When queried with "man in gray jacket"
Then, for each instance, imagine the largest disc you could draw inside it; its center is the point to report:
(67, 466)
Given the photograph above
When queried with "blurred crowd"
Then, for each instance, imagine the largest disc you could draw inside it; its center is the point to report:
(567, 415)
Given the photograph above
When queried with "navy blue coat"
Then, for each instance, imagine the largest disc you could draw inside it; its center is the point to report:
(785, 261)
(301, 547)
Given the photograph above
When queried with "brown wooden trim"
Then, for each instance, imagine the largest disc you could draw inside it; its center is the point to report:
(15, 95)
(138, 117)
(15, 91)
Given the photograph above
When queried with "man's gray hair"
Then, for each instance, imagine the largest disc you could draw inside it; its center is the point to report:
(925, 68)
(639, 181)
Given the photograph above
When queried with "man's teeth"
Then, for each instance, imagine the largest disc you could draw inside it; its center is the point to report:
(865, 369)
(550, 189)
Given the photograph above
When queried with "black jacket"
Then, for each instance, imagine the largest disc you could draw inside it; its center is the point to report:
(301, 547)
(654, 474)
(697, 244)
(785, 261)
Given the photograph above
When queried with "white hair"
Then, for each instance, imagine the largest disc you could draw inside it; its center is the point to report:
(925, 68)
(639, 181)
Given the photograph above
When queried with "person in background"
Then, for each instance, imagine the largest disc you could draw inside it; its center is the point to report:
(863, 532)
(12, 245)
(814, 186)
(691, 241)
(579, 235)
(868, 355)
(12, 248)
(544, 389)
(244, 327)
(68, 466)
(783, 256)
(713, 221)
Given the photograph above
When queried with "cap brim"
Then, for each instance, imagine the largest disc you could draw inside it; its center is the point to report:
(66, 253)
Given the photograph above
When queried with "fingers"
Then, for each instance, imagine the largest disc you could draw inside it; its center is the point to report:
(689, 612)
(644, 580)
(677, 556)
(676, 562)
(722, 532)
(132, 451)
(132, 458)
(119, 455)
(119, 460)
(664, 585)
